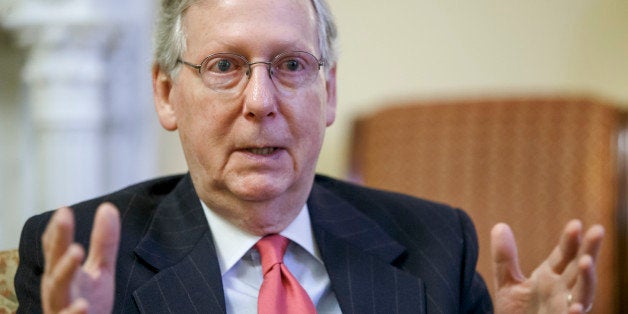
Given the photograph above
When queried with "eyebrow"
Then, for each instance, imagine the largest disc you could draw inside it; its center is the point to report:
(229, 46)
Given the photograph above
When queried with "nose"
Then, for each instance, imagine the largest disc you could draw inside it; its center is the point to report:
(268, 67)
(260, 93)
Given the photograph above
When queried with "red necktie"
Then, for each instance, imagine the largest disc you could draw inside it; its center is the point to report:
(280, 293)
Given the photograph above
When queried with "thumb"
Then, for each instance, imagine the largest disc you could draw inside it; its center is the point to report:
(506, 269)
(105, 238)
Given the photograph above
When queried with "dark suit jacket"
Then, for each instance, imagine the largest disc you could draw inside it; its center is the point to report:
(384, 252)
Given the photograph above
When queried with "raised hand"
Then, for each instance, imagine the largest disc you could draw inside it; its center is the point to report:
(69, 285)
(563, 283)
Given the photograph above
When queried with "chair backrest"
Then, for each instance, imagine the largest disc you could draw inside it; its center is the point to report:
(533, 163)
(8, 266)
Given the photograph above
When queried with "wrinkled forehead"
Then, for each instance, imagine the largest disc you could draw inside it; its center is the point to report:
(256, 23)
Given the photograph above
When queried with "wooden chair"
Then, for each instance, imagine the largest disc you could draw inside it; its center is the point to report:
(8, 266)
(534, 163)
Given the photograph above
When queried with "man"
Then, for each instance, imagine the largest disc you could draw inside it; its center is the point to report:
(251, 86)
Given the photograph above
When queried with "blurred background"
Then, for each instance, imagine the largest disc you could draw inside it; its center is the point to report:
(76, 111)
(75, 81)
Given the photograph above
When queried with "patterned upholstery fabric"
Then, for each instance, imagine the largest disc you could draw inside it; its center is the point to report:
(8, 266)
(534, 163)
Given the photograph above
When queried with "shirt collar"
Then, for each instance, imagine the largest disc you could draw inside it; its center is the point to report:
(232, 243)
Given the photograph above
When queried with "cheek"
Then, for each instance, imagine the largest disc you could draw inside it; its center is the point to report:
(203, 144)
(206, 132)
(200, 126)
(200, 115)
(311, 120)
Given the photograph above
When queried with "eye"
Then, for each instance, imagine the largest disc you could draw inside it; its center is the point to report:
(291, 64)
(222, 65)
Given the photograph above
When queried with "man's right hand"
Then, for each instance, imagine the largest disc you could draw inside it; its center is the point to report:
(69, 285)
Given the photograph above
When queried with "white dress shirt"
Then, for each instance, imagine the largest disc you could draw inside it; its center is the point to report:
(241, 267)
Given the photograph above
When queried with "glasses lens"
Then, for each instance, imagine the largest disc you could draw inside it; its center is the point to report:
(223, 71)
(295, 69)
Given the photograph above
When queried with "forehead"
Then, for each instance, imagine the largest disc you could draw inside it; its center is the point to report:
(250, 26)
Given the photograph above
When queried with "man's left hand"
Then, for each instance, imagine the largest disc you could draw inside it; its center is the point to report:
(563, 283)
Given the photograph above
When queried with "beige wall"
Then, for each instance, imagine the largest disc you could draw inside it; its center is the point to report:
(425, 49)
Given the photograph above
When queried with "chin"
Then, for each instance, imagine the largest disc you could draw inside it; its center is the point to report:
(259, 188)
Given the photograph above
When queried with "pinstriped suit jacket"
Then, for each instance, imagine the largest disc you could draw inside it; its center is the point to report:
(384, 252)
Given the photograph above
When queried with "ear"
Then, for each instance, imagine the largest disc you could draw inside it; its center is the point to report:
(162, 89)
(330, 84)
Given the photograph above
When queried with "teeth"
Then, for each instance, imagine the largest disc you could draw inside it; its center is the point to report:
(262, 151)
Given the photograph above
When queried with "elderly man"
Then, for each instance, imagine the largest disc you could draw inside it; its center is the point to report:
(251, 87)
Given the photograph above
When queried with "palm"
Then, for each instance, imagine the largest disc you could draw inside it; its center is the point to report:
(530, 296)
(569, 270)
(96, 287)
(68, 286)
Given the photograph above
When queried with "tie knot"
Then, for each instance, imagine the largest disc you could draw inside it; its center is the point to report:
(271, 250)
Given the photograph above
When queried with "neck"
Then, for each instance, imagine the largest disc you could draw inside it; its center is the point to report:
(257, 217)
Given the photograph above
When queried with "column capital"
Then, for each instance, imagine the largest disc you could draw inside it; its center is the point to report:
(65, 71)
(61, 36)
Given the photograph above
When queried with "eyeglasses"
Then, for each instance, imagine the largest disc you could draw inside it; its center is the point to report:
(223, 72)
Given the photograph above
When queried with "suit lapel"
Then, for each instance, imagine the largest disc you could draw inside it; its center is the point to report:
(357, 253)
(358, 256)
(179, 246)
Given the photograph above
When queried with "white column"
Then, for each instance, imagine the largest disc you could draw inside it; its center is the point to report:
(64, 81)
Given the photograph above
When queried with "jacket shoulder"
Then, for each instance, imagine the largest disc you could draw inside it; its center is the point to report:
(143, 196)
(440, 240)
(411, 220)
(150, 191)
(372, 201)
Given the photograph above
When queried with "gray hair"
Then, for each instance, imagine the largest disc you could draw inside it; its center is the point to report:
(170, 37)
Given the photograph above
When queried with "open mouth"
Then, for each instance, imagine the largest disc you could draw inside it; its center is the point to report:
(264, 151)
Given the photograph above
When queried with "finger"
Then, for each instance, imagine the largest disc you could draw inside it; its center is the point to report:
(576, 308)
(567, 248)
(56, 284)
(587, 276)
(592, 242)
(79, 306)
(591, 245)
(506, 268)
(57, 237)
(105, 239)
(584, 290)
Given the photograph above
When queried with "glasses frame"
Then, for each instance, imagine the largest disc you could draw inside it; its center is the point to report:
(321, 62)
